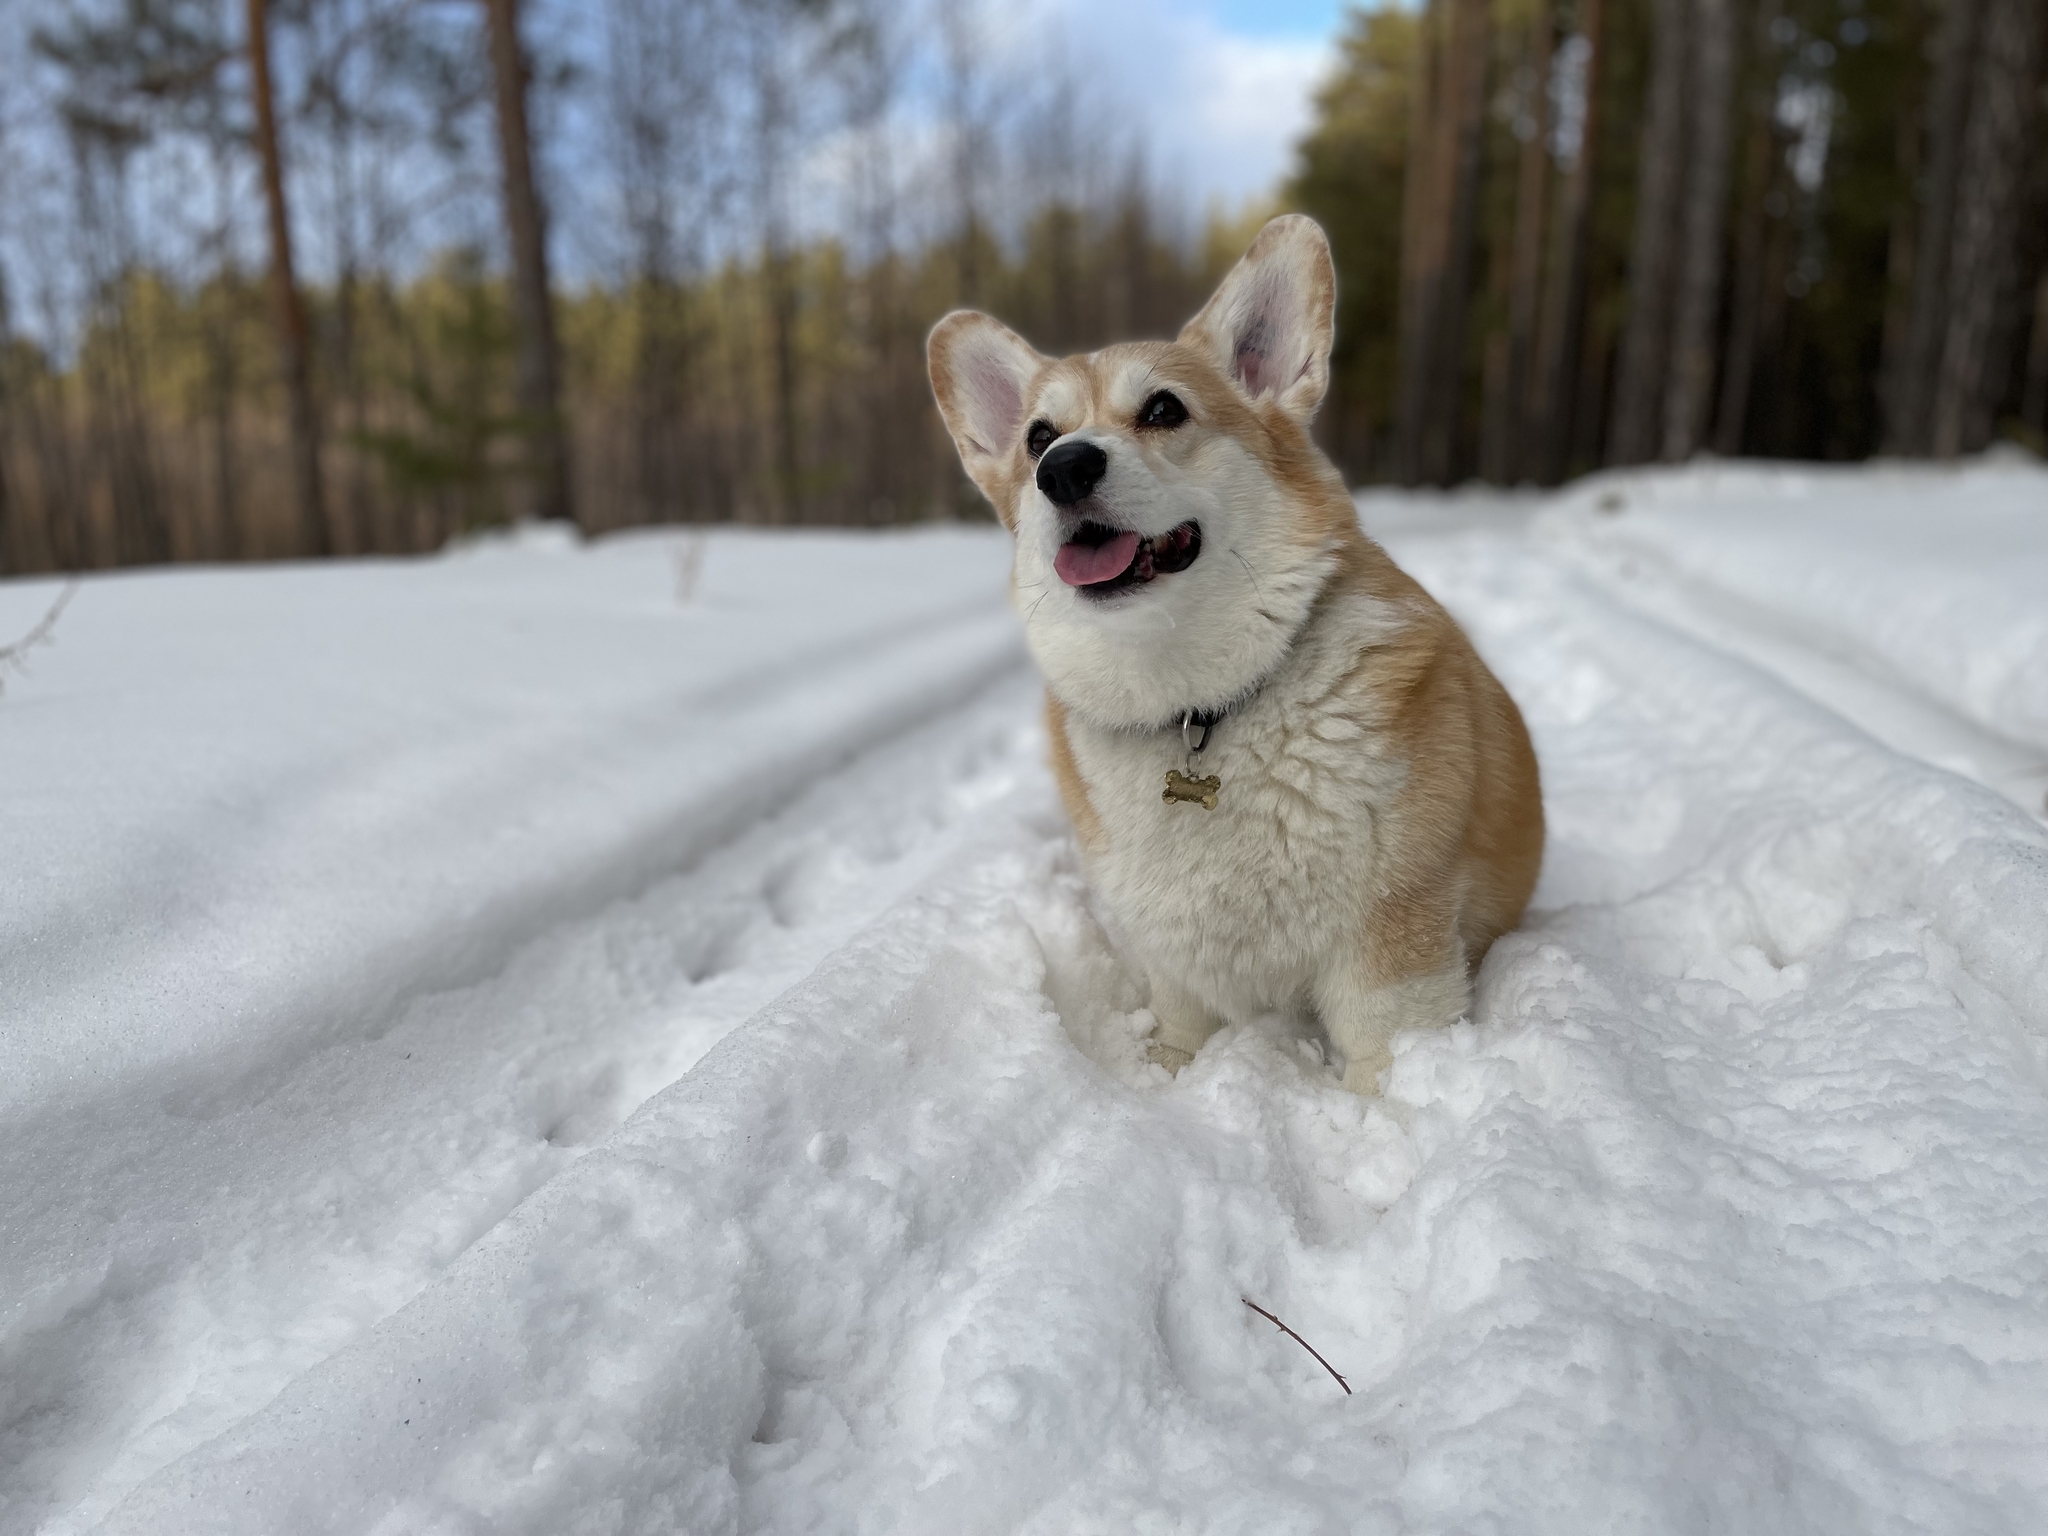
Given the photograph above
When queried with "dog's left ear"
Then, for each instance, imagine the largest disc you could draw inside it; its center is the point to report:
(1270, 324)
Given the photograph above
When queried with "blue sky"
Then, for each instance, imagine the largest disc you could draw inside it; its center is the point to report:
(1274, 18)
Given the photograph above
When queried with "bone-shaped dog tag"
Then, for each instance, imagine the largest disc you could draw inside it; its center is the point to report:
(1200, 792)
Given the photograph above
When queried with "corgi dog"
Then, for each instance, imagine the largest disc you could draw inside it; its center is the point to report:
(1293, 782)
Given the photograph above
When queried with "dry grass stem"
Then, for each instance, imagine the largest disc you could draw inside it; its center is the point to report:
(14, 658)
(1304, 1343)
(690, 567)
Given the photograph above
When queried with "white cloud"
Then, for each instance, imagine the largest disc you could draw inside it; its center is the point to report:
(1220, 111)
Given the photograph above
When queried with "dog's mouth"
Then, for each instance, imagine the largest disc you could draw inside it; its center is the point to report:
(1102, 561)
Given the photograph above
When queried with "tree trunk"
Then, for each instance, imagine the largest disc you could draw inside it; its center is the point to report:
(1422, 194)
(50, 450)
(117, 445)
(1763, 178)
(1525, 280)
(782, 318)
(1902, 250)
(1493, 385)
(1645, 337)
(13, 542)
(537, 381)
(140, 534)
(359, 515)
(2034, 399)
(1470, 45)
(1769, 387)
(1563, 321)
(1989, 196)
(1453, 123)
(15, 556)
(294, 337)
(966, 168)
(1909, 375)
(1691, 385)
(230, 541)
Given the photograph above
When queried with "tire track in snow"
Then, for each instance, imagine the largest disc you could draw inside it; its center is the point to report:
(1828, 667)
(601, 828)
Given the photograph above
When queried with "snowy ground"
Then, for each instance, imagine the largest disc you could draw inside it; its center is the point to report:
(492, 1045)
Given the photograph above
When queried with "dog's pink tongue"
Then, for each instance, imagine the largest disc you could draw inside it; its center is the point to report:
(1080, 565)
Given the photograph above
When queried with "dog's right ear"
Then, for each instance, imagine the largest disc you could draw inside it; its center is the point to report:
(981, 371)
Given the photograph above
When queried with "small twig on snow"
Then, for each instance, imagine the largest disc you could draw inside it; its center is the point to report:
(14, 658)
(1304, 1343)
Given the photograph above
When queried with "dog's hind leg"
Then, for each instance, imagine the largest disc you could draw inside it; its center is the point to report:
(1184, 1023)
(1409, 974)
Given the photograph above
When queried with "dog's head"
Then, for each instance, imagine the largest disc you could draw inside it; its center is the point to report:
(1174, 523)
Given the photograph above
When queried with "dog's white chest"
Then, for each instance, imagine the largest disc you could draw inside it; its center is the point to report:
(1243, 902)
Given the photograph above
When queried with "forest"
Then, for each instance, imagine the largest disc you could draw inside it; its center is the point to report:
(358, 276)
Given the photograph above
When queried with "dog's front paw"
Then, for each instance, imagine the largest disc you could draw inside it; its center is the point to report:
(1171, 1057)
(1362, 1073)
(1181, 1024)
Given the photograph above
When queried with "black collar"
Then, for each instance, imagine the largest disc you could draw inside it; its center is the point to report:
(1196, 724)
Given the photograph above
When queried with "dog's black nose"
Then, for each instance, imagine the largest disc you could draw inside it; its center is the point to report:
(1071, 471)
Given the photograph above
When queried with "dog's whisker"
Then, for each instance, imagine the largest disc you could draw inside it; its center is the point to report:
(1252, 574)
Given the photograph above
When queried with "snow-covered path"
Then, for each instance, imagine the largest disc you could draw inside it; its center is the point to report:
(493, 1047)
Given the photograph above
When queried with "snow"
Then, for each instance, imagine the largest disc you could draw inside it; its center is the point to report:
(312, 789)
(498, 1044)
(1911, 599)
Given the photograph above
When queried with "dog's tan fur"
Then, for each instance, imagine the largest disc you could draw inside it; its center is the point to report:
(1403, 774)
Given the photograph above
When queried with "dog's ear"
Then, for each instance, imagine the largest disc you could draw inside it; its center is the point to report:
(980, 371)
(1270, 324)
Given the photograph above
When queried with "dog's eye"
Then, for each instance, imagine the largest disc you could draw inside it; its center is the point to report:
(1039, 438)
(1162, 410)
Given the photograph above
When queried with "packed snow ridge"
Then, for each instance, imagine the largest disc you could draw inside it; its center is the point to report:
(615, 1038)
